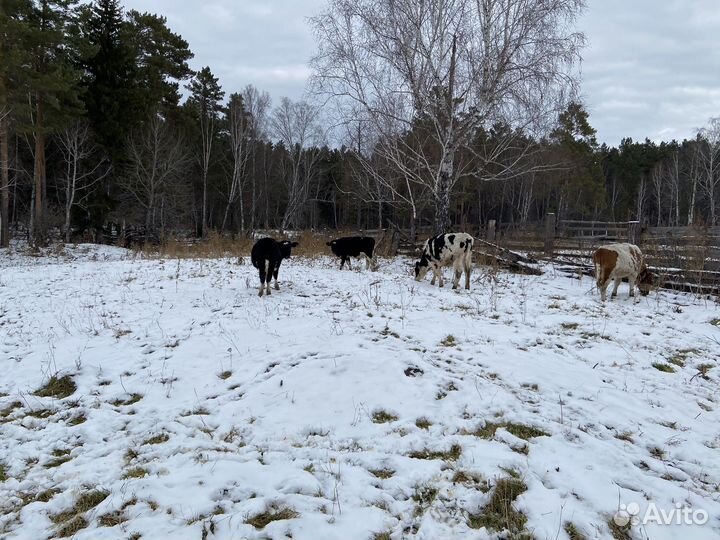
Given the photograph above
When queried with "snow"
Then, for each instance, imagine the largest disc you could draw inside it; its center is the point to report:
(268, 403)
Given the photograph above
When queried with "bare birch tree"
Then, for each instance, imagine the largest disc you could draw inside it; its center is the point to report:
(257, 105)
(708, 156)
(84, 168)
(442, 70)
(238, 128)
(157, 158)
(296, 125)
(4, 179)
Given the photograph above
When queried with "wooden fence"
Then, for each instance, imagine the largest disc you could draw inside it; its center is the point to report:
(684, 258)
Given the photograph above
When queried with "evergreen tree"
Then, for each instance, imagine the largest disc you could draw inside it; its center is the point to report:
(13, 28)
(110, 89)
(161, 58)
(51, 84)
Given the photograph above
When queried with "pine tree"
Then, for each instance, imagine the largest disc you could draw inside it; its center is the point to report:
(206, 101)
(109, 93)
(51, 83)
(12, 31)
(161, 58)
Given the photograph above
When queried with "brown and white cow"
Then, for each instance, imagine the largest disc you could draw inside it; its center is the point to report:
(445, 250)
(618, 261)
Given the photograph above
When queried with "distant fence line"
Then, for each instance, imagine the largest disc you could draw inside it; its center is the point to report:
(684, 258)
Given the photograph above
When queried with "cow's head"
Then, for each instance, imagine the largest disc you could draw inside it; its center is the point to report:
(645, 281)
(422, 267)
(286, 247)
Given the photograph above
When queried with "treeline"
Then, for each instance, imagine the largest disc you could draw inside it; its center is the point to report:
(94, 129)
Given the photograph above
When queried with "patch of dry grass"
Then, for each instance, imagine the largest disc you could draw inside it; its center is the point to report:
(382, 473)
(499, 514)
(261, 520)
(383, 417)
(57, 387)
(157, 439)
(521, 431)
(453, 454)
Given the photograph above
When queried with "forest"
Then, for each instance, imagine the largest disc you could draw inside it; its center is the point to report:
(102, 121)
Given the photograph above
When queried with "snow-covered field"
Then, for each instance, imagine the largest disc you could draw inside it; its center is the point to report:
(348, 405)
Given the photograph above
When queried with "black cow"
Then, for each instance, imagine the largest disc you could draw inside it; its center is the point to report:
(267, 255)
(353, 246)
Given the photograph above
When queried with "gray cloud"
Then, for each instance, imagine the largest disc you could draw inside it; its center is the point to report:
(651, 69)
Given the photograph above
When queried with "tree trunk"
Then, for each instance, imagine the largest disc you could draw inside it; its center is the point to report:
(442, 201)
(203, 225)
(39, 177)
(4, 185)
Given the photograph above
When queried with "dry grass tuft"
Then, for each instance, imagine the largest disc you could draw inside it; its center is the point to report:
(619, 532)
(666, 368)
(132, 399)
(572, 531)
(157, 439)
(520, 431)
(260, 521)
(382, 473)
(136, 472)
(71, 521)
(383, 417)
(499, 514)
(453, 454)
(423, 423)
(57, 387)
(8, 410)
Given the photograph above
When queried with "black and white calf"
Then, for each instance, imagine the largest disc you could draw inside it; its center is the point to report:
(267, 255)
(453, 249)
(353, 246)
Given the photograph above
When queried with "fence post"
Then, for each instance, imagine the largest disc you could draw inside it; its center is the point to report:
(549, 234)
(634, 232)
(490, 236)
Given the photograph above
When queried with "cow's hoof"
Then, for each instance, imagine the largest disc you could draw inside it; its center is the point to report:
(467, 287)
(277, 287)
(269, 292)
(260, 294)
(455, 287)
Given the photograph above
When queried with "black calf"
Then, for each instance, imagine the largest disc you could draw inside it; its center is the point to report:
(267, 255)
(353, 246)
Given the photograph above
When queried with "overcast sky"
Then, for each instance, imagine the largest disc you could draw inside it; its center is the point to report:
(651, 68)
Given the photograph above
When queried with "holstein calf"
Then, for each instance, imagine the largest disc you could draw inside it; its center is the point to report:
(618, 261)
(353, 246)
(267, 255)
(444, 250)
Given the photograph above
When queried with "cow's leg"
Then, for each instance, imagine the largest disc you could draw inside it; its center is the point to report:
(275, 274)
(456, 278)
(468, 269)
(440, 276)
(268, 277)
(349, 259)
(602, 284)
(457, 273)
(367, 261)
(263, 272)
(618, 280)
(632, 282)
